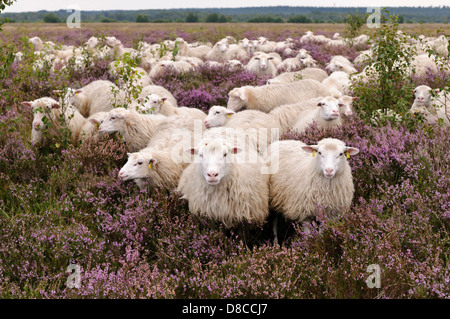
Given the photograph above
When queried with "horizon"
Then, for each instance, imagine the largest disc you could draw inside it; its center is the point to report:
(116, 5)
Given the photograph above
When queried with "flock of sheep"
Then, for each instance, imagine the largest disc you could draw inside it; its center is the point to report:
(229, 164)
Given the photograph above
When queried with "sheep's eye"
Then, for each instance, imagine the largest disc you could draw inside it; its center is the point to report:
(341, 154)
(139, 163)
(225, 155)
(113, 117)
(217, 113)
(320, 153)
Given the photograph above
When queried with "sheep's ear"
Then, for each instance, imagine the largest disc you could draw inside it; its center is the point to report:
(163, 99)
(152, 162)
(192, 150)
(234, 150)
(141, 99)
(240, 94)
(355, 98)
(128, 154)
(55, 106)
(78, 91)
(351, 150)
(27, 104)
(94, 121)
(229, 112)
(436, 91)
(310, 148)
(320, 104)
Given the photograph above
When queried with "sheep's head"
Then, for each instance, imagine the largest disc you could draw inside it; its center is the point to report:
(423, 95)
(222, 46)
(214, 157)
(347, 102)
(334, 66)
(237, 99)
(114, 121)
(302, 54)
(329, 108)
(218, 116)
(138, 165)
(152, 104)
(330, 156)
(263, 60)
(45, 110)
(92, 42)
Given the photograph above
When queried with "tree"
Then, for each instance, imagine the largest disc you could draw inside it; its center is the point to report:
(3, 4)
(142, 19)
(192, 17)
(51, 18)
(299, 19)
(212, 17)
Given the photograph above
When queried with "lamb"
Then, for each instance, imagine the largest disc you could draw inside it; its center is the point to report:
(433, 108)
(198, 52)
(308, 176)
(340, 63)
(267, 97)
(307, 73)
(261, 63)
(339, 81)
(137, 129)
(47, 110)
(95, 97)
(261, 128)
(220, 186)
(156, 104)
(327, 115)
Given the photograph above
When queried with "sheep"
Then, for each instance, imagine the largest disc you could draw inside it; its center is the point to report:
(156, 104)
(236, 52)
(307, 73)
(261, 63)
(220, 186)
(339, 81)
(117, 48)
(218, 52)
(198, 52)
(95, 97)
(307, 176)
(310, 36)
(326, 115)
(90, 128)
(137, 129)
(348, 109)
(261, 128)
(37, 43)
(47, 110)
(161, 91)
(340, 63)
(421, 64)
(434, 108)
(140, 77)
(363, 58)
(289, 64)
(265, 98)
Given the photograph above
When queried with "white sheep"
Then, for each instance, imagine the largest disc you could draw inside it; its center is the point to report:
(267, 97)
(307, 73)
(161, 91)
(310, 36)
(347, 108)
(310, 177)
(423, 63)
(327, 114)
(433, 108)
(339, 81)
(340, 63)
(219, 185)
(260, 128)
(155, 104)
(218, 52)
(47, 114)
(261, 63)
(198, 52)
(137, 129)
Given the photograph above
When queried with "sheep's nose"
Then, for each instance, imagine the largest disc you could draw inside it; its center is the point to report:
(329, 171)
(36, 126)
(213, 174)
(420, 98)
(120, 174)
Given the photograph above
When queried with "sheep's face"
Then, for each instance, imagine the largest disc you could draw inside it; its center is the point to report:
(309, 62)
(331, 156)
(329, 108)
(347, 101)
(214, 158)
(422, 95)
(335, 66)
(138, 165)
(44, 110)
(152, 104)
(263, 60)
(222, 46)
(244, 42)
(217, 116)
(113, 122)
(92, 42)
(303, 54)
(237, 99)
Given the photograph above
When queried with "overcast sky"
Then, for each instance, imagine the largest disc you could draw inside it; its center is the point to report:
(91, 5)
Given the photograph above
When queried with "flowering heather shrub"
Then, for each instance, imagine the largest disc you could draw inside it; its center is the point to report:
(64, 204)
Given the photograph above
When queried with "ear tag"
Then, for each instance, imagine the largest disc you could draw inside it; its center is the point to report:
(229, 115)
(314, 153)
(150, 165)
(347, 154)
(163, 102)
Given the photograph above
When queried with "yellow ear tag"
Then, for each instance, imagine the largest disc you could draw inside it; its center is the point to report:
(314, 153)
(163, 102)
(150, 165)
(229, 115)
(347, 154)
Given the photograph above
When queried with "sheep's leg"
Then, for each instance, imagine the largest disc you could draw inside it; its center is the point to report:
(275, 230)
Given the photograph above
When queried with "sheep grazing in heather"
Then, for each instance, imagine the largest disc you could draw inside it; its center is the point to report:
(261, 63)
(309, 36)
(267, 97)
(155, 104)
(308, 177)
(307, 73)
(340, 63)
(138, 75)
(218, 52)
(433, 108)
(95, 97)
(261, 128)
(423, 63)
(198, 52)
(47, 114)
(137, 129)
(219, 185)
(327, 114)
(161, 91)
